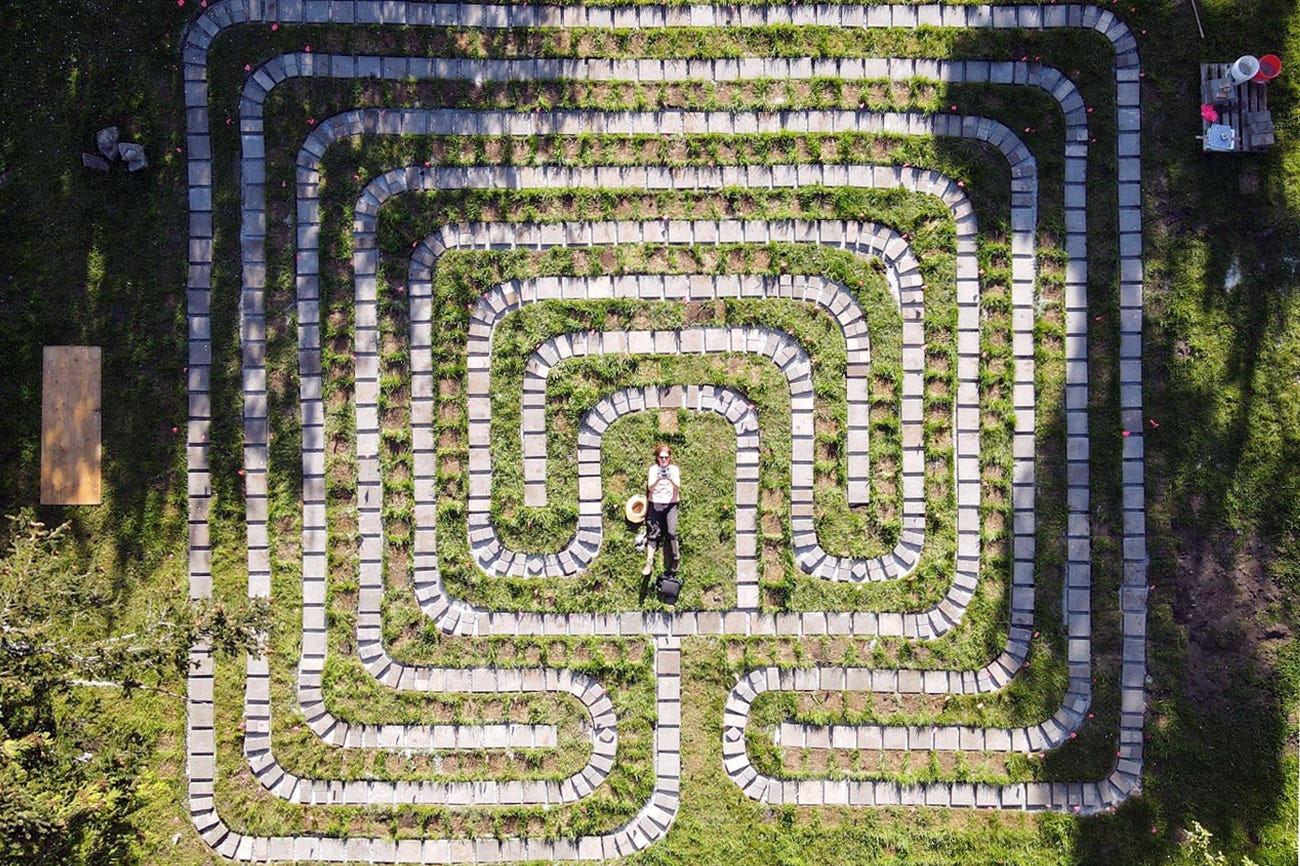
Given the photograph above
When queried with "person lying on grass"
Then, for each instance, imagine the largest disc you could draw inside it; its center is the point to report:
(663, 489)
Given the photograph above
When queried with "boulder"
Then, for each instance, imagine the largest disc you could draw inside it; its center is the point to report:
(133, 155)
(106, 141)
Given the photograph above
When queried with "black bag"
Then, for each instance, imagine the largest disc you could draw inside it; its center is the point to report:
(668, 586)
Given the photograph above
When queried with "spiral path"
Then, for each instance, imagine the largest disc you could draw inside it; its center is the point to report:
(662, 631)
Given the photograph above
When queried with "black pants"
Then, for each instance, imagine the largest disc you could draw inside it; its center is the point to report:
(661, 531)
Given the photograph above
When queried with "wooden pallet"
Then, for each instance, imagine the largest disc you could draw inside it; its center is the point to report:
(70, 426)
(1246, 111)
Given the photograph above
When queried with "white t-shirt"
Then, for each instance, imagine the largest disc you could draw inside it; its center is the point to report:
(663, 490)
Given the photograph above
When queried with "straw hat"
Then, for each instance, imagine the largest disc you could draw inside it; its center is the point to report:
(635, 509)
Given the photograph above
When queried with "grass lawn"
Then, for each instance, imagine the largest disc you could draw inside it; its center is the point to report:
(100, 259)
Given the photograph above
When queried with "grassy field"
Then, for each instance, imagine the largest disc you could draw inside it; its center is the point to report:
(100, 259)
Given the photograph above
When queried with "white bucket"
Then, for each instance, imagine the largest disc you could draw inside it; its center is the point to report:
(1246, 67)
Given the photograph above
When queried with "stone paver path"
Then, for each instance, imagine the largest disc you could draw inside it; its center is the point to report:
(665, 630)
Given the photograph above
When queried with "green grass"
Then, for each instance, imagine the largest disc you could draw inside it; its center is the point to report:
(101, 260)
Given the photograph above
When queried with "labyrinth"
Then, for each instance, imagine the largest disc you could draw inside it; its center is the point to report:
(840, 256)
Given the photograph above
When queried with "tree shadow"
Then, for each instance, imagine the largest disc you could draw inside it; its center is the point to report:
(96, 259)
(1218, 472)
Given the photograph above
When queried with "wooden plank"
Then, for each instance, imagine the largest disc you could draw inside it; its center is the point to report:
(70, 425)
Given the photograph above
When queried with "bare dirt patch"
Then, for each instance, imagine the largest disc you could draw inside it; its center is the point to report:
(1223, 604)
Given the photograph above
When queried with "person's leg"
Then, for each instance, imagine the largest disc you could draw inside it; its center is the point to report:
(654, 531)
(672, 548)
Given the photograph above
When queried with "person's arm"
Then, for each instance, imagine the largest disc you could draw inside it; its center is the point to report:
(675, 479)
(652, 475)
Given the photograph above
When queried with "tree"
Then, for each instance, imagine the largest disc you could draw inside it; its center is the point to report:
(69, 784)
(1199, 851)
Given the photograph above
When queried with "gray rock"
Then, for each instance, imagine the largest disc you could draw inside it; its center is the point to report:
(95, 161)
(133, 154)
(106, 141)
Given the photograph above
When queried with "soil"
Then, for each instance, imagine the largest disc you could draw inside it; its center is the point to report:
(1223, 604)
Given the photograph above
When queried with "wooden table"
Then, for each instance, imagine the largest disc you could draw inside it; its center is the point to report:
(1245, 110)
(70, 425)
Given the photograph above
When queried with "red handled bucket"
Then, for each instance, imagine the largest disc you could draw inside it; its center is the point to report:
(1270, 66)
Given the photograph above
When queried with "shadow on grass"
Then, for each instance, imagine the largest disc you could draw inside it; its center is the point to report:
(96, 259)
(1219, 472)
(1222, 329)
(1219, 376)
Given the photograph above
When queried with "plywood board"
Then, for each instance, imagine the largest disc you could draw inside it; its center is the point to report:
(70, 426)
